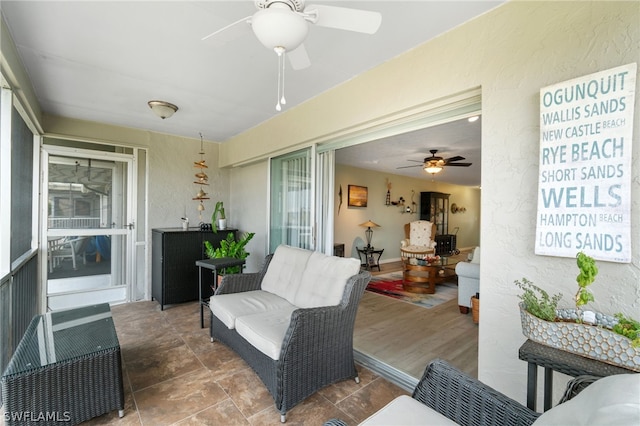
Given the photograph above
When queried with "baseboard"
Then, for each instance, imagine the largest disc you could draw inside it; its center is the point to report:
(395, 376)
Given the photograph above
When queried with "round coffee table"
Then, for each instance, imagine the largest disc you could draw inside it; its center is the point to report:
(423, 278)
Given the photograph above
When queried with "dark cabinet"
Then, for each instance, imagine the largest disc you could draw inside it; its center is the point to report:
(174, 275)
(434, 207)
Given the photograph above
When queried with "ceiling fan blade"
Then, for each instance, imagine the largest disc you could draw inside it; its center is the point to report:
(298, 58)
(406, 167)
(361, 21)
(231, 35)
(456, 158)
(458, 164)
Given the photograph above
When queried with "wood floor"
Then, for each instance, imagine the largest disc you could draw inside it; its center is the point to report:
(398, 336)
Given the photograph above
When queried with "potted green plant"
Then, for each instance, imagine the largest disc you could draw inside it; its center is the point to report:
(230, 247)
(218, 218)
(587, 275)
(537, 302)
(612, 339)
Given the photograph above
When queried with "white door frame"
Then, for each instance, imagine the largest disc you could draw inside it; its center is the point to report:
(125, 229)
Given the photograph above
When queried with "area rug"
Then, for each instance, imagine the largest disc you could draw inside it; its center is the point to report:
(391, 285)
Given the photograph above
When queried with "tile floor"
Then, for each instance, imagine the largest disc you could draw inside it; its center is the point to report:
(173, 374)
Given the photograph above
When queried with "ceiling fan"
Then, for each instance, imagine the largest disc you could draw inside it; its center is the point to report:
(435, 164)
(282, 25)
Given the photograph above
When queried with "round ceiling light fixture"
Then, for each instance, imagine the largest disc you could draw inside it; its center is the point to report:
(162, 109)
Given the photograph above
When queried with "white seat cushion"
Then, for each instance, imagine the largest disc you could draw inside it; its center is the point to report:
(612, 400)
(406, 411)
(266, 331)
(324, 279)
(284, 274)
(228, 307)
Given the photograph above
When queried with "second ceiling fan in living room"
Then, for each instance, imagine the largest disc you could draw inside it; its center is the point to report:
(435, 164)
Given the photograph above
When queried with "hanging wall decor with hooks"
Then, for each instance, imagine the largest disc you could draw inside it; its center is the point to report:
(201, 179)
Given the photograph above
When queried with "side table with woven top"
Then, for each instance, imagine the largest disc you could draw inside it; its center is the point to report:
(536, 354)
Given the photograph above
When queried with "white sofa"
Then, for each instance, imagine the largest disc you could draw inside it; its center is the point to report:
(293, 321)
(468, 280)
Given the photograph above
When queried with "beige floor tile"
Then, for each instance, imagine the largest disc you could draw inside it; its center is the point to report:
(160, 366)
(222, 413)
(247, 391)
(176, 399)
(369, 399)
(174, 374)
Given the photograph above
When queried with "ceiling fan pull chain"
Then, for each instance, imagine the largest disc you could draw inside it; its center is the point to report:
(283, 101)
(279, 53)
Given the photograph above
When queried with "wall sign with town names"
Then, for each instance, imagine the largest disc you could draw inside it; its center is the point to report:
(584, 184)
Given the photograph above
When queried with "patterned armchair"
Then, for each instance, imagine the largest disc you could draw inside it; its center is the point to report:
(419, 239)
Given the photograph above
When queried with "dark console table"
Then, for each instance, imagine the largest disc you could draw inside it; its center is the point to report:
(371, 257)
(174, 251)
(67, 368)
(536, 354)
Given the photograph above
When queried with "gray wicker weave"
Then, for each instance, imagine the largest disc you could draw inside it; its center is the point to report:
(66, 369)
(317, 349)
(468, 401)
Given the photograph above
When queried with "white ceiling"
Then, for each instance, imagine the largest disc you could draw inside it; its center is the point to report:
(103, 61)
(386, 155)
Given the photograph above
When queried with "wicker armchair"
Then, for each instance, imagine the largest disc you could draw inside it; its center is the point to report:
(467, 401)
(317, 349)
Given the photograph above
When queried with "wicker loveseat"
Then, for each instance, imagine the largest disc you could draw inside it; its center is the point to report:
(446, 396)
(293, 321)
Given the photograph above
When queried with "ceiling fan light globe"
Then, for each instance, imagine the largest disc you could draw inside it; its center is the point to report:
(432, 168)
(276, 27)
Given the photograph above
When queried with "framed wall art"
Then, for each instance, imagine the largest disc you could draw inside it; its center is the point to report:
(357, 196)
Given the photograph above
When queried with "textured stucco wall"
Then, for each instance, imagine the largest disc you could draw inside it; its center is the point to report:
(510, 52)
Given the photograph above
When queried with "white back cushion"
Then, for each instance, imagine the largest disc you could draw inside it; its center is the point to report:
(612, 400)
(476, 256)
(284, 275)
(420, 233)
(324, 279)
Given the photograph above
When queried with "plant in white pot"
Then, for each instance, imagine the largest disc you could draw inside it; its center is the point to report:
(218, 218)
(614, 340)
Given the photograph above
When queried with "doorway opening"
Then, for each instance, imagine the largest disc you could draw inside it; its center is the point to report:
(416, 335)
(91, 215)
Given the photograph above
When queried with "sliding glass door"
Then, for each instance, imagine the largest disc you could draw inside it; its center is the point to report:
(291, 210)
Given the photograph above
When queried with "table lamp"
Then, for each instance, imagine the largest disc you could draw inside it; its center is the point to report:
(369, 232)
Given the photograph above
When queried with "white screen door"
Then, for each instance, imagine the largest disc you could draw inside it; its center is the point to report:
(89, 226)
